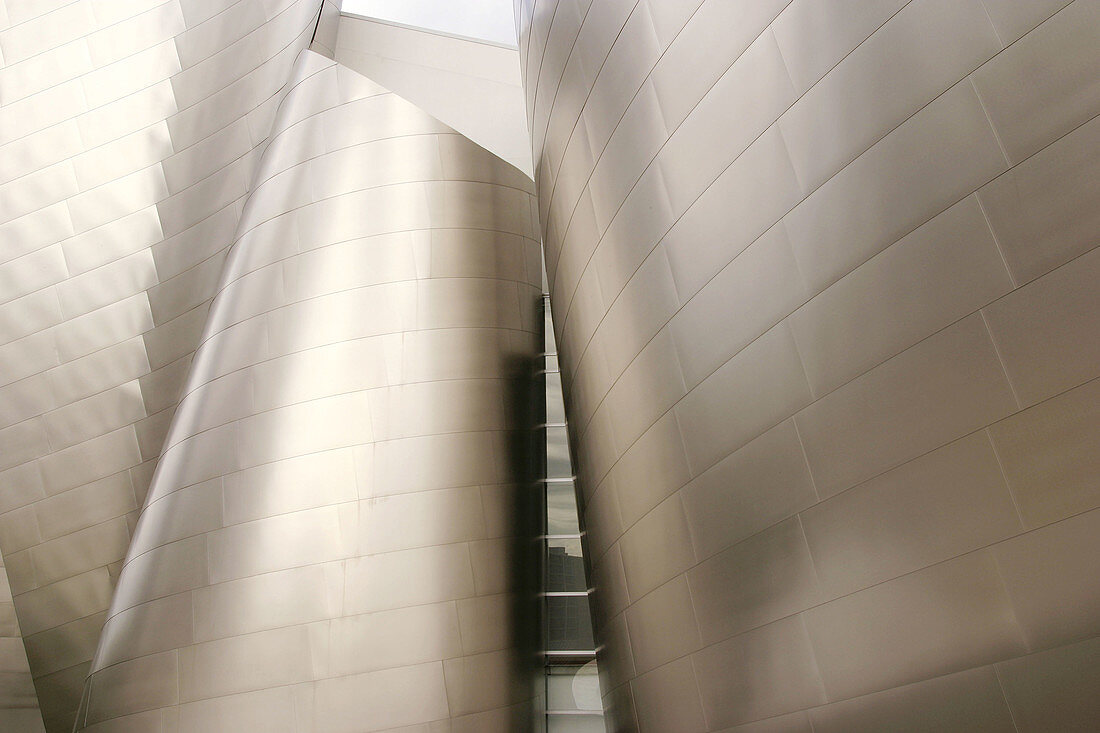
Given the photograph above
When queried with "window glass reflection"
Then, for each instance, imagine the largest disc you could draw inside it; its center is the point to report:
(557, 453)
(555, 407)
(573, 691)
(548, 324)
(561, 508)
(569, 625)
(571, 687)
(564, 565)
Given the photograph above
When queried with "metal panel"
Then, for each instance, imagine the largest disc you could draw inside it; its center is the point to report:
(818, 275)
(320, 509)
(115, 137)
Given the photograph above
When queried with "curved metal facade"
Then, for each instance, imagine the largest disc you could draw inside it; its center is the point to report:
(824, 287)
(330, 537)
(129, 134)
(351, 411)
(19, 709)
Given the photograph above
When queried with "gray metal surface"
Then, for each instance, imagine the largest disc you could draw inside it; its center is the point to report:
(573, 700)
(19, 710)
(129, 133)
(340, 471)
(823, 276)
(331, 540)
(824, 286)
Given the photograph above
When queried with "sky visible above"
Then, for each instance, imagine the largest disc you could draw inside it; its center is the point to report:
(490, 20)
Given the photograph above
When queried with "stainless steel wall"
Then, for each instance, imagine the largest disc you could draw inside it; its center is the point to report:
(19, 709)
(129, 132)
(441, 74)
(824, 286)
(331, 538)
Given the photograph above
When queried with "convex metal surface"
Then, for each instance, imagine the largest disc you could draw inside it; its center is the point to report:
(824, 278)
(331, 539)
(129, 137)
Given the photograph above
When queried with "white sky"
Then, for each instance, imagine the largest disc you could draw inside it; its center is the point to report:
(491, 20)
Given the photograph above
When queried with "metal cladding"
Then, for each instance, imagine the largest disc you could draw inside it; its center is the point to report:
(129, 134)
(329, 539)
(19, 709)
(823, 277)
(329, 542)
(824, 287)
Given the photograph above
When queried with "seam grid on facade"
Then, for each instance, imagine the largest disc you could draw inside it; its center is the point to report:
(660, 298)
(825, 281)
(765, 233)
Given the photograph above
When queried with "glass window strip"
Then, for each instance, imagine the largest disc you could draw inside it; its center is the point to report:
(563, 613)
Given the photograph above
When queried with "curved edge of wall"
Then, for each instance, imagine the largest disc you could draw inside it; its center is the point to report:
(472, 86)
(334, 539)
(825, 299)
(328, 28)
(130, 136)
(19, 709)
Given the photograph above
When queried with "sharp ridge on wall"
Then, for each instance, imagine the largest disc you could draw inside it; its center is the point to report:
(366, 215)
(132, 137)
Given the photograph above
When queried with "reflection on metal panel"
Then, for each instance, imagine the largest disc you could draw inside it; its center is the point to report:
(334, 539)
(129, 133)
(823, 278)
(472, 86)
(572, 689)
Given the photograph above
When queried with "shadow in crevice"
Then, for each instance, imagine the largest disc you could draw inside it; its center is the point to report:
(526, 404)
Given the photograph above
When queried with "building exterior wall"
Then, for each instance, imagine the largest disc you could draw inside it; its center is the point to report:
(129, 132)
(329, 542)
(473, 86)
(19, 709)
(130, 140)
(823, 278)
(824, 287)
